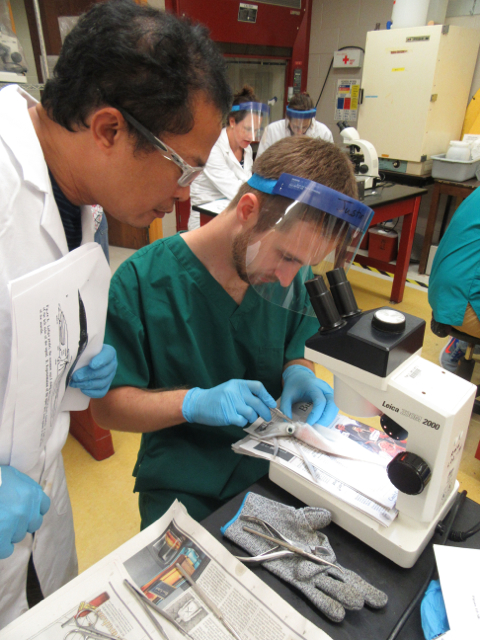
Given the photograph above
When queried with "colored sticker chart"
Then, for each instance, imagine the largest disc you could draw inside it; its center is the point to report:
(346, 99)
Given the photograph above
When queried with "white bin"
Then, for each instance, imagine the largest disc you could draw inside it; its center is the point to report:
(455, 170)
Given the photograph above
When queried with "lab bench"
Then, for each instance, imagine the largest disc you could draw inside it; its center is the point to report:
(399, 584)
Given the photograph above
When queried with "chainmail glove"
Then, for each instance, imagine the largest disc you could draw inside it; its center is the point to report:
(331, 589)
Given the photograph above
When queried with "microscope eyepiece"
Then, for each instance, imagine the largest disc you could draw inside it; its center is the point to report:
(324, 305)
(342, 293)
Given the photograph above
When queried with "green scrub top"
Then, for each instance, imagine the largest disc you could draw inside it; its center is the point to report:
(173, 325)
(455, 277)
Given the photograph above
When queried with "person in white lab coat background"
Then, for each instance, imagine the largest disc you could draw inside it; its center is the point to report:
(299, 121)
(122, 65)
(230, 162)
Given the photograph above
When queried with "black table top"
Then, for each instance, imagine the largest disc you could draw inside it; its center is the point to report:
(377, 197)
(391, 193)
(400, 584)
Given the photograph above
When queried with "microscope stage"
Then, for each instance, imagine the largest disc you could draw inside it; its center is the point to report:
(402, 542)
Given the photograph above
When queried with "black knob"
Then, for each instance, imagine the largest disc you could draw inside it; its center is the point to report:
(388, 320)
(409, 473)
(363, 168)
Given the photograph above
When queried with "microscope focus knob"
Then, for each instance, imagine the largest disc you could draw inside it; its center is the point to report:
(409, 473)
(388, 320)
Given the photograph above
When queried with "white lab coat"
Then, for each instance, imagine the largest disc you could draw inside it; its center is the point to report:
(222, 178)
(31, 235)
(278, 130)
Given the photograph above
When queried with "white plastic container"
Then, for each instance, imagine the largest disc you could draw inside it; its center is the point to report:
(455, 170)
(458, 150)
(409, 13)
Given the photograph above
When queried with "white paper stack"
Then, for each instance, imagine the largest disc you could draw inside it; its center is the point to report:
(58, 322)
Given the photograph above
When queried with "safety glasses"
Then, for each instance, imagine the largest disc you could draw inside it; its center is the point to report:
(188, 173)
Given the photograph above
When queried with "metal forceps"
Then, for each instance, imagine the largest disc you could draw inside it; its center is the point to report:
(289, 548)
(145, 602)
(208, 602)
(289, 430)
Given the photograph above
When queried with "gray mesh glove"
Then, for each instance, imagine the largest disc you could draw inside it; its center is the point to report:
(332, 590)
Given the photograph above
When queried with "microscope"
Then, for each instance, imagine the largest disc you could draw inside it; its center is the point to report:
(378, 371)
(362, 155)
(11, 60)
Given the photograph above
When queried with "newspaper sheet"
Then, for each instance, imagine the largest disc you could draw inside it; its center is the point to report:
(98, 601)
(58, 323)
(361, 484)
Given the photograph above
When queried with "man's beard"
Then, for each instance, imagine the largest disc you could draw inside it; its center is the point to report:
(239, 253)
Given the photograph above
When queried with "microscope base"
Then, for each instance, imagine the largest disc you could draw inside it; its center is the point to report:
(402, 542)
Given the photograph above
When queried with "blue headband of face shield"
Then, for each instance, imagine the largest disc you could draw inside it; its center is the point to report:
(315, 195)
(251, 106)
(301, 115)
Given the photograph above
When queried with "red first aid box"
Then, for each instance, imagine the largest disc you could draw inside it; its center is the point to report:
(382, 244)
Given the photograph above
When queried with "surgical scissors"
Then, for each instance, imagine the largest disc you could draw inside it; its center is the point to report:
(290, 548)
(88, 630)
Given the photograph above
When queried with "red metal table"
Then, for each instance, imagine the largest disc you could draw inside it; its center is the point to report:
(396, 201)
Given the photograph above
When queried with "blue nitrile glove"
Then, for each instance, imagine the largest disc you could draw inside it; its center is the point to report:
(22, 507)
(235, 402)
(302, 385)
(432, 610)
(95, 379)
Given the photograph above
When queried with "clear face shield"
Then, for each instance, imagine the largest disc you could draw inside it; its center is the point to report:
(256, 116)
(304, 229)
(297, 122)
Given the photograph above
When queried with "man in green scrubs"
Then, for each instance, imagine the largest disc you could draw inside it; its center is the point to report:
(201, 354)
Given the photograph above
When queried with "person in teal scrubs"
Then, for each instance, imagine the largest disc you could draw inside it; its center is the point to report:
(455, 277)
(201, 353)
(454, 286)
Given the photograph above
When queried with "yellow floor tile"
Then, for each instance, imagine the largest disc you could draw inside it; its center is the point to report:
(105, 509)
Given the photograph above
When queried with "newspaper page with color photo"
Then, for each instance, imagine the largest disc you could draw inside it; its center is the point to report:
(351, 463)
(99, 604)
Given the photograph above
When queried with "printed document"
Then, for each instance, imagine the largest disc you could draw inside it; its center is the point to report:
(99, 602)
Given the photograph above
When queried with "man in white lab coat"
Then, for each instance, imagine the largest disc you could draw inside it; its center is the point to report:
(128, 121)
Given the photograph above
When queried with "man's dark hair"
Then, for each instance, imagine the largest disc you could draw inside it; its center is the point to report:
(149, 62)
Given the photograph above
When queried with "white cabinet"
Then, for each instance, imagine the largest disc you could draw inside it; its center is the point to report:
(415, 84)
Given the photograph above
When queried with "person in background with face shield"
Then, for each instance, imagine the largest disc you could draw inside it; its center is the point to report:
(230, 162)
(299, 121)
(128, 120)
(201, 353)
